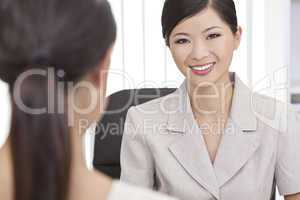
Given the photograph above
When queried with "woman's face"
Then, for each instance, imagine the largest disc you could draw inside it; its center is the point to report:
(202, 47)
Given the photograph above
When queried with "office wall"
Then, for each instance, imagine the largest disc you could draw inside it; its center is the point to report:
(295, 44)
(277, 49)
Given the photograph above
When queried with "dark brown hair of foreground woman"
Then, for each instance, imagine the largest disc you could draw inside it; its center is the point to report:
(68, 35)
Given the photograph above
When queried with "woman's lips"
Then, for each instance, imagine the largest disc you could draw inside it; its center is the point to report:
(202, 70)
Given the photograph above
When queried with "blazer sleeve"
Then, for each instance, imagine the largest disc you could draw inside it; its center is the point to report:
(137, 165)
(287, 172)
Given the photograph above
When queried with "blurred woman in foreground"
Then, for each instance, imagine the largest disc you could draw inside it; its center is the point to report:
(54, 55)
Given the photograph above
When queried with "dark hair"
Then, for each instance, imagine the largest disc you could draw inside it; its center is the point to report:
(174, 11)
(68, 35)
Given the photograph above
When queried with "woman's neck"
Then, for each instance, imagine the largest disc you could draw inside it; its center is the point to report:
(85, 183)
(6, 172)
(212, 101)
(77, 148)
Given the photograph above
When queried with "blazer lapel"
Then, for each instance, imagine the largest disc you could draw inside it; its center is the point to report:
(236, 148)
(240, 140)
(190, 151)
(189, 148)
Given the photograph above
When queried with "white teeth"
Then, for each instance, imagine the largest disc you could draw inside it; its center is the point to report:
(202, 68)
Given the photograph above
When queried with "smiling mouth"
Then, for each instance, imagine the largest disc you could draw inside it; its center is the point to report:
(202, 69)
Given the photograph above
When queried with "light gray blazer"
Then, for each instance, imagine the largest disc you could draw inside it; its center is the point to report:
(163, 149)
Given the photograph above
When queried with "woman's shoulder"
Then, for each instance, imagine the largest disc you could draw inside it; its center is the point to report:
(122, 190)
(274, 112)
(268, 109)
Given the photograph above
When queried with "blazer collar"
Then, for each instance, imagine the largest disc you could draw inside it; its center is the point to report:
(241, 108)
(181, 115)
(237, 145)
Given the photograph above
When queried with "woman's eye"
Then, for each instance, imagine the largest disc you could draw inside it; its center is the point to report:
(213, 36)
(181, 41)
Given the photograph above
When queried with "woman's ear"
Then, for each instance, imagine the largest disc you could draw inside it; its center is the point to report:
(238, 37)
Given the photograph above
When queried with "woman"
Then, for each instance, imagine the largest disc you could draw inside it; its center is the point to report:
(212, 138)
(54, 56)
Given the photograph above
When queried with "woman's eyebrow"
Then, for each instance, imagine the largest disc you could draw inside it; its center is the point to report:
(210, 28)
(206, 30)
(181, 33)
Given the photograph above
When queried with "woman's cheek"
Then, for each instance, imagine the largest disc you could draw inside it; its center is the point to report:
(180, 55)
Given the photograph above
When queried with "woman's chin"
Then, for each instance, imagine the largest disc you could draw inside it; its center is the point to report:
(202, 80)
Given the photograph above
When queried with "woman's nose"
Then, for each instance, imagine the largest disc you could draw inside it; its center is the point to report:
(199, 51)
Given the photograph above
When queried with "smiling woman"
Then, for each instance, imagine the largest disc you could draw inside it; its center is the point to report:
(213, 138)
(202, 47)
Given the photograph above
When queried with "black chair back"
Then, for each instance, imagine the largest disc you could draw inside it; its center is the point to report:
(109, 130)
